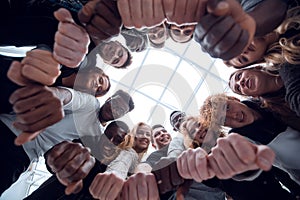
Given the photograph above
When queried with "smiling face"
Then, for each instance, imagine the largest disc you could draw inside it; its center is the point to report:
(93, 82)
(195, 131)
(252, 54)
(182, 34)
(142, 138)
(238, 114)
(161, 137)
(251, 82)
(113, 53)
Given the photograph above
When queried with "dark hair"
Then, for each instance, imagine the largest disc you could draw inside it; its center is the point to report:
(157, 126)
(126, 97)
(118, 124)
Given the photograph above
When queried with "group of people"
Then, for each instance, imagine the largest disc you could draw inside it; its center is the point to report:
(51, 100)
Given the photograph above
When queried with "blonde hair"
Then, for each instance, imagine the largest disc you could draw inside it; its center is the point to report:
(286, 49)
(133, 134)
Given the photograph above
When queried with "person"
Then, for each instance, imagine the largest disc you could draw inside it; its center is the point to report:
(136, 40)
(114, 54)
(117, 158)
(83, 106)
(270, 88)
(248, 116)
(181, 34)
(158, 36)
(270, 47)
(142, 133)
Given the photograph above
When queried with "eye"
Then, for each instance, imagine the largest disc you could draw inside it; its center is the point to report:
(227, 107)
(115, 61)
(238, 76)
(187, 32)
(120, 53)
(176, 32)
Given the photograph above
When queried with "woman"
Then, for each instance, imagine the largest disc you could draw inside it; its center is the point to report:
(181, 34)
(142, 133)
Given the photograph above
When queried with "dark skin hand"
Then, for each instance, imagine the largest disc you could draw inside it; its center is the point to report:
(226, 30)
(36, 107)
(71, 163)
(101, 19)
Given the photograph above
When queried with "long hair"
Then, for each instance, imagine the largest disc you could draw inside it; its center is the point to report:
(133, 134)
(287, 49)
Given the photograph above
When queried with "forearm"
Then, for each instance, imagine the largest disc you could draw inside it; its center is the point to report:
(63, 94)
(268, 15)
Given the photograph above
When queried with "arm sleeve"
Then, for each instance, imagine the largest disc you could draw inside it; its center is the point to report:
(123, 163)
(290, 75)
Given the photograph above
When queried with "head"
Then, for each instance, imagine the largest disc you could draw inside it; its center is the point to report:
(237, 114)
(160, 137)
(115, 138)
(181, 34)
(176, 119)
(93, 81)
(142, 133)
(116, 106)
(255, 81)
(158, 36)
(136, 41)
(254, 53)
(115, 54)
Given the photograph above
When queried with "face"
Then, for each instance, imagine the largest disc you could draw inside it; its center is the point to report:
(182, 33)
(251, 82)
(158, 34)
(161, 137)
(94, 83)
(115, 134)
(177, 119)
(253, 53)
(195, 131)
(113, 53)
(137, 45)
(143, 137)
(238, 114)
(114, 108)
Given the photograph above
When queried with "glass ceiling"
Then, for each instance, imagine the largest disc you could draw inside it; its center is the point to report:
(177, 77)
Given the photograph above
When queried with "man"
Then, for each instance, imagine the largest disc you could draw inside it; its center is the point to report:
(83, 116)
(114, 54)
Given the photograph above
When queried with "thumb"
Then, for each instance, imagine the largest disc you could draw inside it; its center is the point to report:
(74, 187)
(26, 137)
(265, 157)
(87, 11)
(63, 15)
(14, 73)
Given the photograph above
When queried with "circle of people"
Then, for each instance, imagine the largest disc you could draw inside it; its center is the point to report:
(50, 106)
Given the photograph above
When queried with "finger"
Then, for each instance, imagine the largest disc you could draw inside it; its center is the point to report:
(169, 7)
(74, 187)
(63, 15)
(136, 13)
(26, 137)
(87, 12)
(125, 12)
(159, 14)
(14, 73)
(24, 92)
(265, 157)
(76, 44)
(218, 7)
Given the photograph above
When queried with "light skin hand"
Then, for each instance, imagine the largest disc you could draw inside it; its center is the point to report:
(71, 162)
(141, 13)
(38, 66)
(140, 186)
(184, 11)
(71, 40)
(192, 164)
(106, 186)
(234, 154)
(36, 107)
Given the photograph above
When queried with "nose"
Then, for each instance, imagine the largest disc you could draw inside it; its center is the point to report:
(231, 115)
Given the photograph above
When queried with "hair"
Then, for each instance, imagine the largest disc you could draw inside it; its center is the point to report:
(171, 36)
(133, 134)
(287, 49)
(126, 97)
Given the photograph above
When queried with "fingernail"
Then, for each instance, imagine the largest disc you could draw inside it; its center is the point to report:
(264, 162)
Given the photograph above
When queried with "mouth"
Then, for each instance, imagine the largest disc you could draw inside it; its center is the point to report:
(241, 117)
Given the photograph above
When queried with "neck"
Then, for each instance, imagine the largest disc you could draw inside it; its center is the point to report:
(256, 115)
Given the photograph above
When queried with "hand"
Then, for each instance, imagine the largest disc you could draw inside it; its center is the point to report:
(106, 186)
(192, 164)
(38, 66)
(234, 154)
(184, 11)
(140, 186)
(101, 19)
(71, 41)
(141, 13)
(71, 162)
(36, 107)
(226, 31)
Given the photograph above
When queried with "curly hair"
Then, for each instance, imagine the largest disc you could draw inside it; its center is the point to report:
(287, 49)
